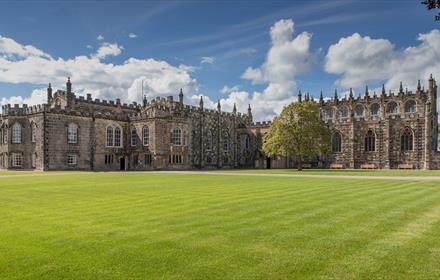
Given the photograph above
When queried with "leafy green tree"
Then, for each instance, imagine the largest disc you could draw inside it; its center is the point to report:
(298, 132)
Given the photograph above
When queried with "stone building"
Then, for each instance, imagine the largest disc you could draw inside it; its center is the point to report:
(77, 133)
(80, 133)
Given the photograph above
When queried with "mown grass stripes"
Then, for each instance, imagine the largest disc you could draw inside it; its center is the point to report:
(176, 226)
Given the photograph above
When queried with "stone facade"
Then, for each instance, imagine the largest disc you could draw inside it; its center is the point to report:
(79, 133)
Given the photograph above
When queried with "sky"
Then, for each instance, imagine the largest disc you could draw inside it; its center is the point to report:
(245, 52)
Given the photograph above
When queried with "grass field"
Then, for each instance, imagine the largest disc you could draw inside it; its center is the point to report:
(177, 226)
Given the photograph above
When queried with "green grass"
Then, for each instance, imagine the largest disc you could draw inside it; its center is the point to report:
(339, 172)
(169, 226)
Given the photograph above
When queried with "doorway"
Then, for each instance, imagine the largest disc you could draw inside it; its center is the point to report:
(122, 163)
(268, 163)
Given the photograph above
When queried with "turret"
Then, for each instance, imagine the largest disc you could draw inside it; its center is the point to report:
(219, 107)
(201, 102)
(336, 98)
(145, 101)
(401, 88)
(250, 112)
(68, 86)
(321, 98)
(367, 94)
(181, 97)
(49, 93)
(383, 90)
(419, 87)
(299, 96)
(234, 110)
(350, 96)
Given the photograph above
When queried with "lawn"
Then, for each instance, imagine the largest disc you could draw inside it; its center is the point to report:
(177, 226)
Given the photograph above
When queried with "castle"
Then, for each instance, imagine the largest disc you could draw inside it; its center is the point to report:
(78, 133)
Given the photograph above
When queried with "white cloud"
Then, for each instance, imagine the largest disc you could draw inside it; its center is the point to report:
(107, 49)
(227, 90)
(89, 47)
(10, 49)
(287, 58)
(207, 60)
(362, 60)
(132, 35)
(100, 37)
(91, 75)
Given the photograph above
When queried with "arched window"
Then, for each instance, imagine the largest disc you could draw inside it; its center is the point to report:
(336, 142)
(328, 114)
(359, 111)
(133, 137)
(374, 109)
(343, 112)
(410, 106)
(225, 141)
(247, 142)
(406, 140)
(392, 108)
(176, 137)
(109, 137)
(370, 141)
(118, 142)
(16, 133)
(146, 136)
(1, 136)
(209, 140)
(33, 133)
(72, 133)
(5, 135)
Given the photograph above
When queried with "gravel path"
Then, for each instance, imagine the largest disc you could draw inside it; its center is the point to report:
(351, 177)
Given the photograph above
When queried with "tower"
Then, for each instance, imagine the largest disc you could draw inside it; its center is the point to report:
(68, 86)
(250, 113)
(181, 97)
(49, 93)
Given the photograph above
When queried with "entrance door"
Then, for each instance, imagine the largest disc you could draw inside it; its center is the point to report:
(122, 163)
(268, 163)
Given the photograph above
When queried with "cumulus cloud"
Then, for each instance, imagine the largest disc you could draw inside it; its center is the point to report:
(227, 90)
(10, 49)
(90, 74)
(107, 49)
(100, 37)
(132, 35)
(361, 60)
(288, 57)
(207, 60)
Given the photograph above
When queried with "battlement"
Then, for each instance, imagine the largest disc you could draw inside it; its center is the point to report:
(22, 110)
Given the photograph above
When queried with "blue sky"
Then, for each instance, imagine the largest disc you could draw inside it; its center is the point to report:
(231, 36)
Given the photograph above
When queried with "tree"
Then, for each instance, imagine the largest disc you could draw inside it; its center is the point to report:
(297, 132)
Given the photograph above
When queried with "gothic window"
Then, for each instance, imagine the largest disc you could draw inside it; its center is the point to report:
(33, 133)
(17, 160)
(118, 142)
(370, 141)
(133, 137)
(247, 143)
(343, 112)
(209, 140)
(375, 109)
(226, 142)
(410, 106)
(109, 136)
(16, 133)
(359, 111)
(1, 135)
(72, 133)
(328, 114)
(5, 135)
(336, 142)
(147, 159)
(406, 140)
(146, 136)
(392, 108)
(176, 137)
